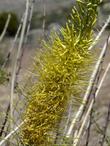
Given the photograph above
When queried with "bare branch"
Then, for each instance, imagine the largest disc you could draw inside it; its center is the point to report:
(11, 133)
(5, 28)
(16, 62)
(29, 20)
(100, 33)
(26, 37)
(13, 43)
(44, 16)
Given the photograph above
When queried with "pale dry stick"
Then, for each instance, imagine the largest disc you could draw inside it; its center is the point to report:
(16, 61)
(13, 43)
(11, 133)
(30, 18)
(26, 37)
(68, 118)
(5, 28)
(89, 124)
(77, 138)
(102, 80)
(7, 58)
(92, 79)
(100, 33)
(44, 15)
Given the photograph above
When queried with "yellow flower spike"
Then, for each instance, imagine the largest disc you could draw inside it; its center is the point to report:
(62, 68)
